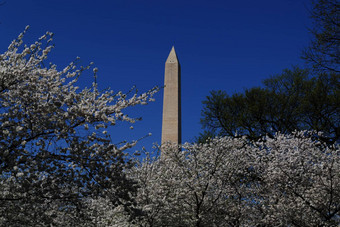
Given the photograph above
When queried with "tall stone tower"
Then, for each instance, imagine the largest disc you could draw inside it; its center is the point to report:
(171, 125)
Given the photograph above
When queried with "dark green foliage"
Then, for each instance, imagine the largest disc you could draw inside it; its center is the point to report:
(287, 102)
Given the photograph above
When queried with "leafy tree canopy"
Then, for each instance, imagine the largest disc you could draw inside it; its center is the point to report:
(291, 101)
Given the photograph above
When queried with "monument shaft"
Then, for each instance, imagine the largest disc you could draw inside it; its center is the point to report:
(171, 125)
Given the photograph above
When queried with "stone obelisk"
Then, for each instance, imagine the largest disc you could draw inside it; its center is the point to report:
(171, 125)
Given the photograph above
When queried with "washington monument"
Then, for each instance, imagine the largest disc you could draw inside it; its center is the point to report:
(171, 125)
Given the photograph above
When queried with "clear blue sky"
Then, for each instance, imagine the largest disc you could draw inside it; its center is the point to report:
(221, 44)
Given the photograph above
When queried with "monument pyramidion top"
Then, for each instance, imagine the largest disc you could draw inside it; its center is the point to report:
(172, 58)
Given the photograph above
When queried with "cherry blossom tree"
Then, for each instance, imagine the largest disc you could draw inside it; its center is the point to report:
(55, 151)
(289, 180)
